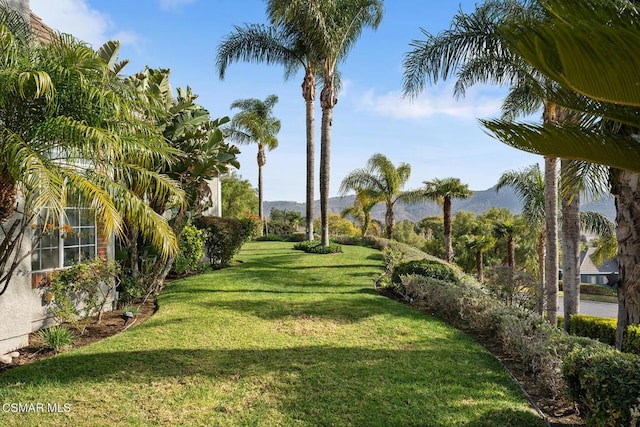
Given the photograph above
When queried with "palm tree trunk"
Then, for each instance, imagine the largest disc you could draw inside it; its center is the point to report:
(570, 247)
(511, 252)
(261, 162)
(479, 266)
(626, 188)
(309, 95)
(388, 219)
(327, 101)
(551, 225)
(7, 195)
(448, 245)
(541, 249)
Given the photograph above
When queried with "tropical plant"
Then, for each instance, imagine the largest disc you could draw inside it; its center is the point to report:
(381, 181)
(529, 186)
(360, 211)
(331, 29)
(69, 129)
(474, 49)
(256, 124)
(442, 191)
(56, 338)
(585, 33)
(285, 45)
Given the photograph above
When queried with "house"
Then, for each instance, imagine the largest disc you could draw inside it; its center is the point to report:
(603, 274)
(23, 306)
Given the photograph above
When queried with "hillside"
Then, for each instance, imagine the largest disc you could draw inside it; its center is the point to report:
(478, 203)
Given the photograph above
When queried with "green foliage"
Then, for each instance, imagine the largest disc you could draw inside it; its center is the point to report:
(190, 250)
(315, 247)
(82, 290)
(129, 288)
(405, 232)
(606, 385)
(251, 224)
(424, 267)
(56, 338)
(238, 196)
(271, 238)
(338, 226)
(284, 222)
(604, 330)
(512, 286)
(223, 238)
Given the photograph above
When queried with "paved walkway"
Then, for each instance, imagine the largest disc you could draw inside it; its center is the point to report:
(593, 308)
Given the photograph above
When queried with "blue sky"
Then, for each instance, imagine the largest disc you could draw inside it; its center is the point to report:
(438, 135)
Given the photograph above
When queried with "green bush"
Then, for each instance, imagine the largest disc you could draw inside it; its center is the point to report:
(82, 290)
(190, 250)
(315, 247)
(606, 385)
(271, 238)
(251, 225)
(56, 338)
(223, 238)
(604, 330)
(424, 267)
(129, 288)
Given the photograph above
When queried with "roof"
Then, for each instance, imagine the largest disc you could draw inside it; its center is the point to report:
(587, 266)
(41, 30)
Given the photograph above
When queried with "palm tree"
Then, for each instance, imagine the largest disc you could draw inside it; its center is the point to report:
(286, 46)
(381, 181)
(474, 50)
(361, 210)
(256, 124)
(69, 127)
(508, 228)
(529, 186)
(479, 243)
(442, 191)
(331, 27)
(604, 82)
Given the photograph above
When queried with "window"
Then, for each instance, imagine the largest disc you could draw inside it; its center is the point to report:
(61, 246)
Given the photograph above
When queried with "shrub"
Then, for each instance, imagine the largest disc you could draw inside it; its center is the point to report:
(604, 330)
(315, 247)
(129, 288)
(606, 385)
(56, 338)
(424, 267)
(223, 238)
(190, 250)
(251, 225)
(82, 290)
(270, 238)
(513, 287)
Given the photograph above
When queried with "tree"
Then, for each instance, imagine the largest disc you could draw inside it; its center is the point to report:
(442, 191)
(381, 181)
(70, 128)
(285, 45)
(361, 209)
(474, 49)
(529, 186)
(256, 124)
(238, 196)
(331, 27)
(590, 43)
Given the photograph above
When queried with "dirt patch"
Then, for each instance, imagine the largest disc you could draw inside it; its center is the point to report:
(111, 324)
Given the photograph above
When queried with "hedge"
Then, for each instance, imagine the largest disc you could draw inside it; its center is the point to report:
(604, 330)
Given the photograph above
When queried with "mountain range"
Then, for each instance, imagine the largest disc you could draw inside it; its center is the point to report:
(478, 203)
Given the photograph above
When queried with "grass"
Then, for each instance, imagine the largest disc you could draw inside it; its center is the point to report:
(598, 298)
(286, 338)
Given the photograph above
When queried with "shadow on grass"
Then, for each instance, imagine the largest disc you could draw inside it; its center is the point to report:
(317, 385)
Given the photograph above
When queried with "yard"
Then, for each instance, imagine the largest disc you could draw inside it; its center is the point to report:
(284, 338)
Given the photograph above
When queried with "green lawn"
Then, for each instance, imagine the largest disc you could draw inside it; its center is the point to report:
(285, 338)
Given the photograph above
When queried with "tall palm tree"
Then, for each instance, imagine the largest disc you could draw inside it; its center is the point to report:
(69, 127)
(381, 181)
(605, 84)
(529, 186)
(474, 51)
(256, 124)
(442, 191)
(331, 27)
(284, 45)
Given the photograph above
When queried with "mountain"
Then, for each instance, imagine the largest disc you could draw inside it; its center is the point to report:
(478, 203)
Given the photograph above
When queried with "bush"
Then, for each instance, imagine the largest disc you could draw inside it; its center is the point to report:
(190, 250)
(129, 288)
(251, 225)
(606, 385)
(223, 238)
(604, 330)
(56, 338)
(82, 290)
(513, 287)
(315, 247)
(424, 267)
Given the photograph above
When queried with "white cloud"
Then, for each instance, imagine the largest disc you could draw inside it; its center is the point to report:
(174, 4)
(433, 102)
(77, 18)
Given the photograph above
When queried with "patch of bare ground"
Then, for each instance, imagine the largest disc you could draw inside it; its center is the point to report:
(111, 324)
